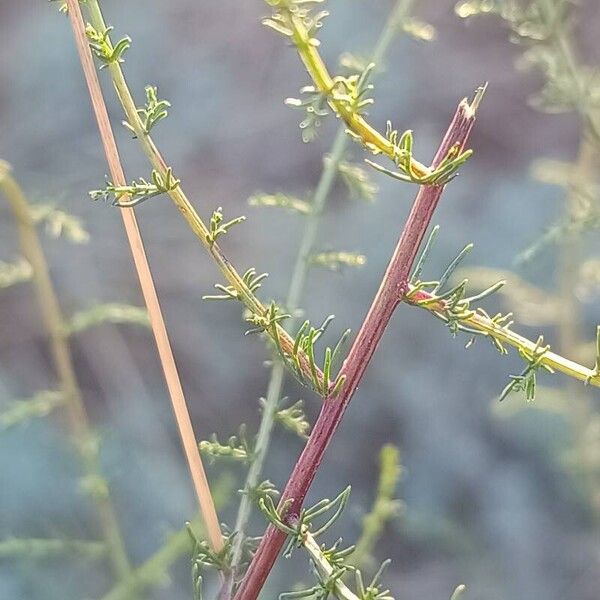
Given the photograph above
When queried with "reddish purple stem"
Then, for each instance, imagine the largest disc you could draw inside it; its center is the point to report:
(391, 291)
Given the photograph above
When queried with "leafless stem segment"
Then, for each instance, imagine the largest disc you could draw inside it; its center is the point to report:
(391, 291)
(159, 329)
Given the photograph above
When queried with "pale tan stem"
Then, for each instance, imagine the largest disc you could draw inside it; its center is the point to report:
(159, 329)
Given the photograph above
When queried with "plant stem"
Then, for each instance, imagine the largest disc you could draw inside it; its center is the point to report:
(182, 202)
(47, 548)
(393, 287)
(182, 417)
(569, 325)
(154, 570)
(484, 324)
(312, 547)
(296, 289)
(310, 56)
(569, 328)
(54, 322)
(277, 377)
(384, 506)
(564, 49)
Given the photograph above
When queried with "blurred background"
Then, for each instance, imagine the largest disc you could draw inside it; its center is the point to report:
(503, 498)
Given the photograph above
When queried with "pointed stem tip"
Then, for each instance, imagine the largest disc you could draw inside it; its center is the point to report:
(478, 97)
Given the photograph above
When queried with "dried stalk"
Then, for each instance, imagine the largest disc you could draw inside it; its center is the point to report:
(159, 329)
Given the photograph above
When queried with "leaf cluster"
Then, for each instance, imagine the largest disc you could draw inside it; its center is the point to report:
(127, 196)
(305, 11)
(305, 521)
(237, 448)
(526, 381)
(293, 418)
(15, 272)
(152, 113)
(280, 200)
(103, 48)
(453, 305)
(304, 342)
(404, 160)
(59, 223)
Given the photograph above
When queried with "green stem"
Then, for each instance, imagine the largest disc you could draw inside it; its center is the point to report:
(384, 506)
(297, 283)
(154, 571)
(45, 548)
(54, 321)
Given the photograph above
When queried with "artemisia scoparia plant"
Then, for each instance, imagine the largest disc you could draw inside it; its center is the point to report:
(244, 562)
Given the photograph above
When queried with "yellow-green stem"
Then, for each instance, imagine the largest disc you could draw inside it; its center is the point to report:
(182, 202)
(312, 547)
(485, 325)
(312, 60)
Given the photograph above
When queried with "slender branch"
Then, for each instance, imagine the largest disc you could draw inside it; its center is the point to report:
(184, 205)
(54, 322)
(45, 548)
(297, 284)
(159, 329)
(326, 570)
(481, 322)
(393, 287)
(154, 570)
(569, 325)
(326, 84)
(384, 508)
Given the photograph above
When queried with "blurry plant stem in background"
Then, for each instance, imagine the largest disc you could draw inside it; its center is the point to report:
(569, 326)
(569, 86)
(83, 437)
(153, 572)
(384, 508)
(570, 330)
(570, 257)
(167, 360)
(296, 289)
